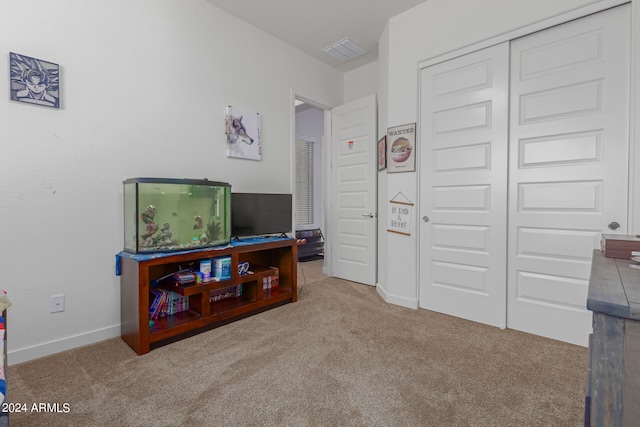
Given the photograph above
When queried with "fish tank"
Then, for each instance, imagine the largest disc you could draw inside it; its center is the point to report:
(166, 215)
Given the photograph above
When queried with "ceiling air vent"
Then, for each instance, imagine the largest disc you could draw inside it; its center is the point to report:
(345, 50)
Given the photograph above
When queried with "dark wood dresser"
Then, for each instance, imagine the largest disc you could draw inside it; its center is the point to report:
(613, 379)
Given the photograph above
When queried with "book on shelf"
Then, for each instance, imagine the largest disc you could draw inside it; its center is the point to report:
(225, 293)
(166, 303)
(158, 297)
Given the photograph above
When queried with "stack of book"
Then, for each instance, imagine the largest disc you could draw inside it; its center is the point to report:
(166, 303)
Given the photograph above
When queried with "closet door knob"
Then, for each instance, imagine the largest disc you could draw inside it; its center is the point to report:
(425, 218)
(614, 226)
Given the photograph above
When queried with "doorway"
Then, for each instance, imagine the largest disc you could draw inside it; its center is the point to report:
(309, 178)
(345, 203)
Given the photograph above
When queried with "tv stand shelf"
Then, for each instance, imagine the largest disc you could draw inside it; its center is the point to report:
(265, 256)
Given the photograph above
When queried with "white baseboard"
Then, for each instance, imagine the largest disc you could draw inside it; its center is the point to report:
(397, 300)
(52, 347)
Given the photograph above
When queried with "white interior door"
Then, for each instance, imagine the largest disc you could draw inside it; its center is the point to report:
(568, 167)
(463, 190)
(354, 191)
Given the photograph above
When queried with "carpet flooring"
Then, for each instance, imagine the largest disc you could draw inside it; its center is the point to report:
(340, 356)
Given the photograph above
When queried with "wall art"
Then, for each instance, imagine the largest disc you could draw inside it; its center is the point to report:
(243, 134)
(382, 153)
(401, 144)
(34, 81)
(399, 215)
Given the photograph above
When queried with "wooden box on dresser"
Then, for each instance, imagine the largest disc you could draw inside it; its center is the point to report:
(613, 380)
(267, 257)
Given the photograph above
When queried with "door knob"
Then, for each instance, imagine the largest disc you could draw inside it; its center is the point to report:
(614, 226)
(370, 215)
(425, 218)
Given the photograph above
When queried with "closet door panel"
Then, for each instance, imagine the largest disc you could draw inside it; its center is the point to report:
(568, 167)
(463, 187)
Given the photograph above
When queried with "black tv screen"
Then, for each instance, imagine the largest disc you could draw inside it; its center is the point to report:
(260, 214)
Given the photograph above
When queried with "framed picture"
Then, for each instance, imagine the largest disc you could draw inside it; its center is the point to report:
(34, 81)
(382, 153)
(242, 128)
(401, 144)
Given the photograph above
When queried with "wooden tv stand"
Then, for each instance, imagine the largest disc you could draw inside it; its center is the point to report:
(137, 271)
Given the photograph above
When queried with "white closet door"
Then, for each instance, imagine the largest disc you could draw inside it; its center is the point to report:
(463, 188)
(568, 167)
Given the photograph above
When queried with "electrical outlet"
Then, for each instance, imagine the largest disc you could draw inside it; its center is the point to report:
(57, 303)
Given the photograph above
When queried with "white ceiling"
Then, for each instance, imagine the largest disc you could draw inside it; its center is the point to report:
(311, 26)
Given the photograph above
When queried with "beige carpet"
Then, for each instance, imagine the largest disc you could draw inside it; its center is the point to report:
(340, 356)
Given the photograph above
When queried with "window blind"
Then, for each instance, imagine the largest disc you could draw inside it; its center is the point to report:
(304, 182)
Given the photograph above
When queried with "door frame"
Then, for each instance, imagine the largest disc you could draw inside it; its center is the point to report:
(326, 170)
(633, 201)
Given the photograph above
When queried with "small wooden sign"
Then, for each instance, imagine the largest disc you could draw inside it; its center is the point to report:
(400, 213)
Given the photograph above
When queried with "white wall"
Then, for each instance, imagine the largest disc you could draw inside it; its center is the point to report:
(431, 29)
(361, 82)
(144, 88)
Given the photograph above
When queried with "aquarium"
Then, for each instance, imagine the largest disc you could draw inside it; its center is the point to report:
(164, 215)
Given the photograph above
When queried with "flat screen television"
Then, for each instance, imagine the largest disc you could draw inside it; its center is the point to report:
(260, 214)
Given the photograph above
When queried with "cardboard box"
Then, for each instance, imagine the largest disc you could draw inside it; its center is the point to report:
(273, 280)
